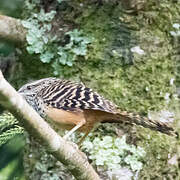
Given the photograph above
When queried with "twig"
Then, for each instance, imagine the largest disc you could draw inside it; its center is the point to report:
(11, 29)
(74, 159)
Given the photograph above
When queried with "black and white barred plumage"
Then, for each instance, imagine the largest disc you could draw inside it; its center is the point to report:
(70, 96)
(67, 95)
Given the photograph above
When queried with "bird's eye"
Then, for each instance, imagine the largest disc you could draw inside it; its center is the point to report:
(29, 87)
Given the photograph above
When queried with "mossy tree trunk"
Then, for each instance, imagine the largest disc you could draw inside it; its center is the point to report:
(130, 61)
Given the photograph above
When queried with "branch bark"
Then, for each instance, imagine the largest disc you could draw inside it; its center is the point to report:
(11, 29)
(75, 161)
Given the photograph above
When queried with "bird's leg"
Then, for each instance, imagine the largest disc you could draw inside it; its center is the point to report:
(92, 127)
(84, 136)
(81, 123)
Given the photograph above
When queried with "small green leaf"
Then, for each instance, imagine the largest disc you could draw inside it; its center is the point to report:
(26, 24)
(42, 16)
(56, 68)
(69, 46)
(45, 39)
(46, 57)
(63, 57)
(38, 47)
(59, 1)
(81, 50)
(48, 26)
(31, 38)
(30, 49)
(69, 63)
(62, 60)
(75, 35)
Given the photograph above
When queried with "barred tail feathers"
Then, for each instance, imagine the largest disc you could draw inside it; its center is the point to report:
(155, 125)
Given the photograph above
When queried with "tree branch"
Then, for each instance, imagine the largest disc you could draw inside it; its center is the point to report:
(75, 161)
(11, 29)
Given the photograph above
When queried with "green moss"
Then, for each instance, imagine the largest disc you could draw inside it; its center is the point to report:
(127, 85)
(134, 82)
(118, 80)
(159, 150)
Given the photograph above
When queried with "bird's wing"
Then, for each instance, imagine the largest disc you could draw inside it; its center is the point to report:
(70, 96)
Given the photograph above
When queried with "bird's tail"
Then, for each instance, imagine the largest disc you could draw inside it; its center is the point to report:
(155, 125)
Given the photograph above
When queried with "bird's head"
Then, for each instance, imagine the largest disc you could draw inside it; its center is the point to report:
(35, 86)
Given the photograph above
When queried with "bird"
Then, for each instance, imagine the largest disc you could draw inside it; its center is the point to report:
(73, 106)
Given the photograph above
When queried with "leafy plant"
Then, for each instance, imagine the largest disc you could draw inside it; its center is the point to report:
(8, 127)
(37, 37)
(40, 41)
(112, 153)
